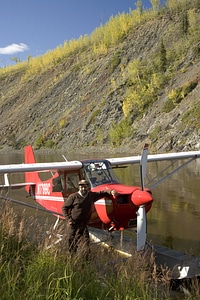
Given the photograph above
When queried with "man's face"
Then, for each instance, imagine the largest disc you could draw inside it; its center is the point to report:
(84, 189)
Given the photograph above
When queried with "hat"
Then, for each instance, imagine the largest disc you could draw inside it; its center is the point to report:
(83, 182)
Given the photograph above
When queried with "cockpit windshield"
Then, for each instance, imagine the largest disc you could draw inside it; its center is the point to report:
(99, 172)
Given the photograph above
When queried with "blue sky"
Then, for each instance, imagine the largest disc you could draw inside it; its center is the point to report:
(32, 27)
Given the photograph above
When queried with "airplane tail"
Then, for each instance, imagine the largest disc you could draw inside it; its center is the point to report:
(30, 177)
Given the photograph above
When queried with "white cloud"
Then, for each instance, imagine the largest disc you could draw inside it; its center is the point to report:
(14, 48)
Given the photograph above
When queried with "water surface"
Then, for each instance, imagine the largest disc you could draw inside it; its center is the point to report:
(175, 215)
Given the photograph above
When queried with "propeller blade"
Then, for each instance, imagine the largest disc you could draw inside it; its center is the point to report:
(141, 228)
(143, 164)
(141, 213)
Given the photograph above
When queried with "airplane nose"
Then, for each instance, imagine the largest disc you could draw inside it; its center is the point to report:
(140, 197)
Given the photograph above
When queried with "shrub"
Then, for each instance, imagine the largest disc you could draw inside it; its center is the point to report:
(115, 61)
(168, 106)
(119, 132)
(177, 95)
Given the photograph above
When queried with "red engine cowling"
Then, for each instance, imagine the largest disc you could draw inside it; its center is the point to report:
(140, 197)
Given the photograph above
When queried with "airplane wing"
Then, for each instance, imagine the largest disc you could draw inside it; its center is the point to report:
(154, 157)
(35, 167)
(39, 167)
(76, 165)
(184, 157)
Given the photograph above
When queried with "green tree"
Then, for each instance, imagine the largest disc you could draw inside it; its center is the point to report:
(138, 5)
(155, 4)
(29, 57)
(15, 58)
(197, 3)
(184, 23)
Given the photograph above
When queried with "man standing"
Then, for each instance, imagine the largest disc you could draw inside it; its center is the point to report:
(77, 210)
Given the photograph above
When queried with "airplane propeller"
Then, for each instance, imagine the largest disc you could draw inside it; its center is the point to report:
(141, 213)
(141, 198)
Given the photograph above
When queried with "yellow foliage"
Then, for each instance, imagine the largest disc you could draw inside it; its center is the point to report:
(126, 106)
(176, 5)
(125, 22)
(134, 71)
(100, 49)
(172, 94)
(194, 21)
(132, 103)
(101, 39)
(113, 83)
(156, 80)
(62, 123)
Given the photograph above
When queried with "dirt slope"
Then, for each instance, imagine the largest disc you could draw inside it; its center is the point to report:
(74, 104)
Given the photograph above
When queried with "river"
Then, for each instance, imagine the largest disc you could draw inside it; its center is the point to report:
(175, 215)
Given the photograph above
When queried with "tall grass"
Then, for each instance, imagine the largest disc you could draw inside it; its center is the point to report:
(28, 270)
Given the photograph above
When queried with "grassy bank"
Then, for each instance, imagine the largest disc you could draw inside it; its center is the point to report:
(29, 271)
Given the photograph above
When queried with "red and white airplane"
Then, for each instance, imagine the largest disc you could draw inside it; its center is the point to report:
(126, 211)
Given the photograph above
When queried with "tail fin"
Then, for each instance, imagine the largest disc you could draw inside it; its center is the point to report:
(29, 158)
(29, 155)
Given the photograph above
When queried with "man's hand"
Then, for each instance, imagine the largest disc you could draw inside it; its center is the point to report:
(70, 221)
(114, 193)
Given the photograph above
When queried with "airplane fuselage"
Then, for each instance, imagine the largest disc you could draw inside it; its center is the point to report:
(118, 214)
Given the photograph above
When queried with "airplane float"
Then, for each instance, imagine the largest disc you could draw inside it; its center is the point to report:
(128, 210)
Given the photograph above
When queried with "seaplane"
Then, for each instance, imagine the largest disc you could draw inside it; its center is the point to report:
(127, 210)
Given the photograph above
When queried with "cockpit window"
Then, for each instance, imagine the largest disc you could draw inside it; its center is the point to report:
(58, 183)
(66, 182)
(72, 182)
(99, 172)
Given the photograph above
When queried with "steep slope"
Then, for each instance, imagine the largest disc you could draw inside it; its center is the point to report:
(76, 103)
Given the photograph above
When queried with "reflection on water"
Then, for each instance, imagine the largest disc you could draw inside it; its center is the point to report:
(175, 215)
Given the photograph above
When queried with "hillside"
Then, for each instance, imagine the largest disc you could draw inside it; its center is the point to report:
(87, 99)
